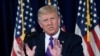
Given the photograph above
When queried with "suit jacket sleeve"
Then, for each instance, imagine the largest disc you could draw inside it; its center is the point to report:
(77, 49)
(71, 44)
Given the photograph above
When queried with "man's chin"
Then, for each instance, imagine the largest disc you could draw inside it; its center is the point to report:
(51, 33)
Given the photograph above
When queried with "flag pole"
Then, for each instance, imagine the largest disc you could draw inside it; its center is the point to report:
(88, 20)
(22, 15)
(49, 2)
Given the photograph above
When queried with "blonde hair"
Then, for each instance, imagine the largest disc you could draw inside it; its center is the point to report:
(47, 9)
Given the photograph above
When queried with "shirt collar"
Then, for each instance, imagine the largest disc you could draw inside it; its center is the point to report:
(54, 36)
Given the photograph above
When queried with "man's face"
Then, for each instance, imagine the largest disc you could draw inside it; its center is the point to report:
(49, 23)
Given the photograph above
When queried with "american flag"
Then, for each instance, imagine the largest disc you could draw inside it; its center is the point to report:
(28, 25)
(91, 47)
(55, 3)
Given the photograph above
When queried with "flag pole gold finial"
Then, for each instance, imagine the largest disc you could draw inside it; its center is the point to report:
(22, 16)
(49, 2)
(88, 20)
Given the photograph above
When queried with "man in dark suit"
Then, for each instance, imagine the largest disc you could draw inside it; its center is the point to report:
(62, 43)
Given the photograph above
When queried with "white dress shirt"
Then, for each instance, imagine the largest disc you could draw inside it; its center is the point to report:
(47, 38)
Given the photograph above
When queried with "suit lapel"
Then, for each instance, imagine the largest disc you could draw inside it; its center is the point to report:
(43, 41)
(61, 37)
(41, 45)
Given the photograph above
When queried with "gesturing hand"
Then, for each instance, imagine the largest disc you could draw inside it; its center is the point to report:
(30, 52)
(20, 51)
(57, 48)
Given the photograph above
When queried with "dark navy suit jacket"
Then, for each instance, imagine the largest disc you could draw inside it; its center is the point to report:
(71, 44)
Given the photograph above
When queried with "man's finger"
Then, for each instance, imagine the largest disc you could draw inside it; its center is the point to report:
(58, 43)
(61, 46)
(55, 41)
(50, 48)
(27, 47)
(33, 49)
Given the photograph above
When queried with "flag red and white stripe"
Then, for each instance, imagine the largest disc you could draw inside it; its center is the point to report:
(26, 23)
(91, 47)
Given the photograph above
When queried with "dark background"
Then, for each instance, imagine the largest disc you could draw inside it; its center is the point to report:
(8, 10)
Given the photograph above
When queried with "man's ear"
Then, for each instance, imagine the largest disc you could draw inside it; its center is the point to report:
(40, 24)
(59, 20)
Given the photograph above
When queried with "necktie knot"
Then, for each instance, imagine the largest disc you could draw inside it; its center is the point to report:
(51, 38)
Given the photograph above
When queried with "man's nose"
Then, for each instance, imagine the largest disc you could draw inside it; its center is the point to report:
(49, 22)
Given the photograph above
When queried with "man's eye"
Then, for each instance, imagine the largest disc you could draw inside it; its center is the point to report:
(44, 20)
(52, 18)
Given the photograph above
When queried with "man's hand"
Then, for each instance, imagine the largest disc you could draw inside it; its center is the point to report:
(57, 48)
(20, 51)
(30, 52)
